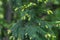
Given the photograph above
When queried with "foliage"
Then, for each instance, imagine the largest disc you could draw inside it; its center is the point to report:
(36, 20)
